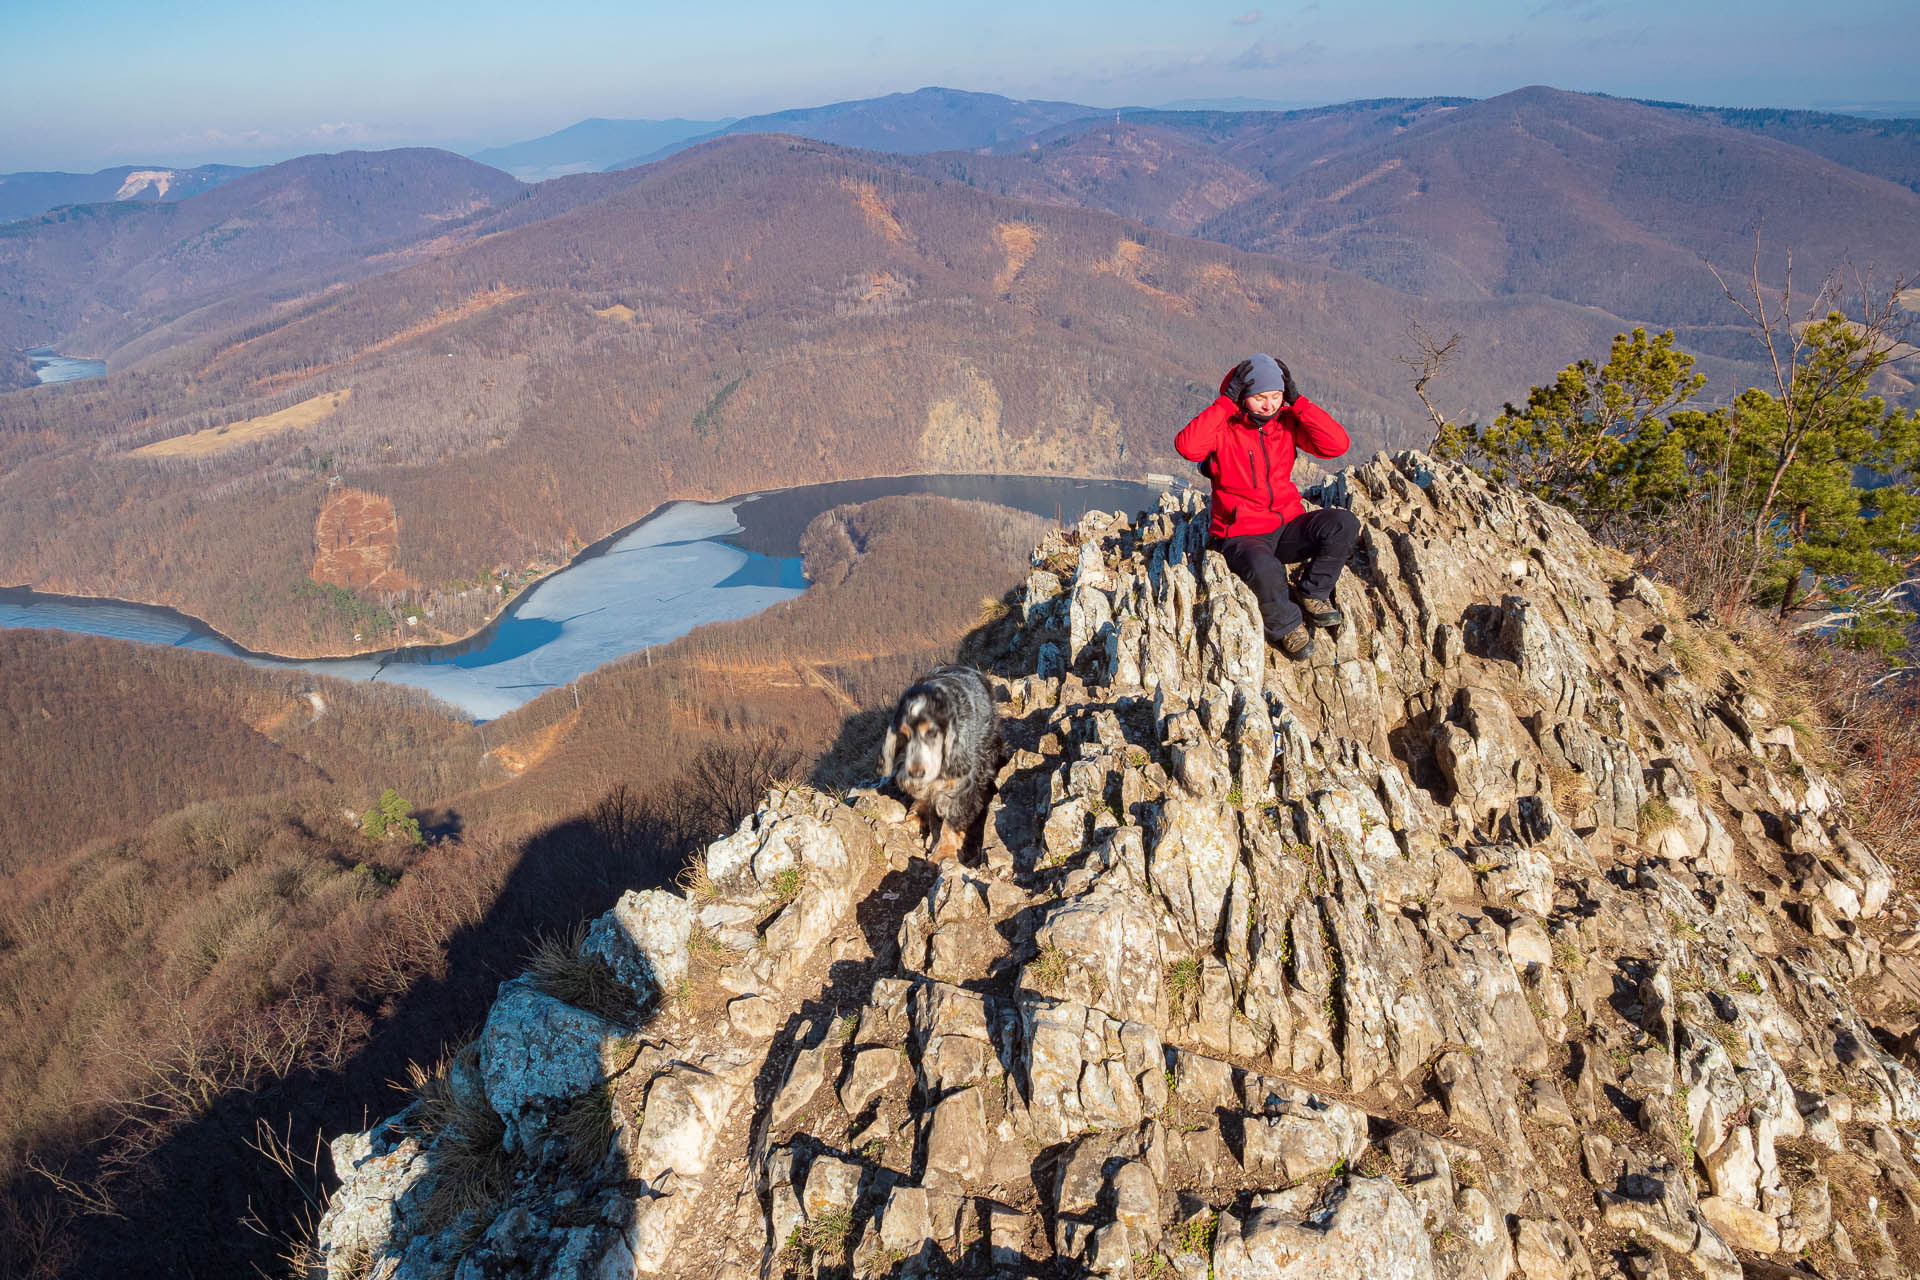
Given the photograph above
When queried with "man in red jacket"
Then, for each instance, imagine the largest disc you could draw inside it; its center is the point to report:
(1245, 442)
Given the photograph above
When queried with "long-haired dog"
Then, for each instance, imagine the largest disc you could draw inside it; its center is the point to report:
(943, 750)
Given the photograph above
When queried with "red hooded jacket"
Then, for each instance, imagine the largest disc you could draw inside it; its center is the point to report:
(1251, 466)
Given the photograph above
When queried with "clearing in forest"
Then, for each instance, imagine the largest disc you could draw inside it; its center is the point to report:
(295, 417)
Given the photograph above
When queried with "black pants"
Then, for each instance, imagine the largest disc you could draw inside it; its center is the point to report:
(1323, 538)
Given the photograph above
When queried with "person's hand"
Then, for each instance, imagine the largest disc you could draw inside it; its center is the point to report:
(1237, 384)
(1292, 388)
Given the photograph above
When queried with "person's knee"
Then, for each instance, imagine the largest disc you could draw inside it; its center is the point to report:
(1344, 527)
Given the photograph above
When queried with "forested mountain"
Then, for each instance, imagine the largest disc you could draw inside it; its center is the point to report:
(1884, 147)
(1597, 201)
(77, 273)
(27, 195)
(530, 368)
(930, 119)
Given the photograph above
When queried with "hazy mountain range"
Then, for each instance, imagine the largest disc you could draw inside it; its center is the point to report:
(931, 119)
(26, 195)
(592, 145)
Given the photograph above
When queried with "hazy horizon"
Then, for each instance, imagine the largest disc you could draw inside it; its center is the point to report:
(109, 82)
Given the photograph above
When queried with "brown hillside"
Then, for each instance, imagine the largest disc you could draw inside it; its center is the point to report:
(1601, 201)
(1594, 200)
(84, 271)
(98, 737)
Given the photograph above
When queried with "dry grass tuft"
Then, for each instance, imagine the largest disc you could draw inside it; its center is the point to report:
(1656, 815)
(785, 885)
(1049, 968)
(699, 991)
(587, 1128)
(697, 883)
(1183, 984)
(1855, 720)
(1569, 785)
(585, 982)
(470, 1171)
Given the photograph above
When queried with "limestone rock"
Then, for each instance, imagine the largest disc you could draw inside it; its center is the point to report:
(536, 1054)
(1356, 1229)
(644, 941)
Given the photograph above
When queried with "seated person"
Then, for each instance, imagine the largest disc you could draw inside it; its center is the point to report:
(1245, 442)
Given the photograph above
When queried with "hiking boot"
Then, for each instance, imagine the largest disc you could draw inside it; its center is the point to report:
(1296, 644)
(1320, 613)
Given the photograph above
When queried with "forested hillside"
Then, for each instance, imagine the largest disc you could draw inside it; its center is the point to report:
(99, 737)
(78, 274)
(1600, 201)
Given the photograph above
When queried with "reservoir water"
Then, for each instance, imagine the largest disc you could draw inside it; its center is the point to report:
(50, 367)
(686, 564)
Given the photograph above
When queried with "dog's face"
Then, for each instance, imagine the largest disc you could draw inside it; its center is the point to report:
(916, 747)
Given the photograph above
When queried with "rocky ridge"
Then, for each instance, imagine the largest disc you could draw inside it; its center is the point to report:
(1510, 936)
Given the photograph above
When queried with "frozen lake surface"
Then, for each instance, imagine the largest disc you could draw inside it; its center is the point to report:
(49, 367)
(648, 584)
(658, 580)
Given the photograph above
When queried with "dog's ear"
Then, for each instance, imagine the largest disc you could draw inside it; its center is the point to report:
(888, 747)
(949, 734)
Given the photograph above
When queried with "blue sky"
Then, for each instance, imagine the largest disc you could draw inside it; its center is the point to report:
(89, 83)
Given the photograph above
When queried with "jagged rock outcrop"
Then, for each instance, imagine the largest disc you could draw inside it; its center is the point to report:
(1510, 937)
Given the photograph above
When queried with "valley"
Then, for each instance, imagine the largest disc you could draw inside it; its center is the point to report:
(681, 567)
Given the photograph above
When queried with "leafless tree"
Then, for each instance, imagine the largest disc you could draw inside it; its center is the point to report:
(1812, 393)
(1426, 357)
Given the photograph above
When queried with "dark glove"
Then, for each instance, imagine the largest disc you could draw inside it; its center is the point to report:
(1292, 389)
(1206, 468)
(1237, 383)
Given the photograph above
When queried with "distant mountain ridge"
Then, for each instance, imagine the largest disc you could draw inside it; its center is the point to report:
(1599, 201)
(930, 119)
(1886, 147)
(592, 145)
(27, 195)
(94, 265)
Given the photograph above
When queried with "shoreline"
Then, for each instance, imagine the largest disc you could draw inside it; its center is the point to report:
(598, 547)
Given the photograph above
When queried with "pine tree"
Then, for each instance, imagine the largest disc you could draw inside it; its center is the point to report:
(1810, 498)
(391, 816)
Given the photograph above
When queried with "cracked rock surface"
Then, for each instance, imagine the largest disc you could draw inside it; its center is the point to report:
(1511, 936)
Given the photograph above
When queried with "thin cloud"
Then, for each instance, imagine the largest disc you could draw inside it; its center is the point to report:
(1578, 10)
(1265, 55)
(1248, 18)
(254, 145)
